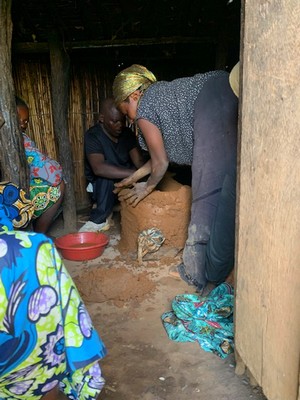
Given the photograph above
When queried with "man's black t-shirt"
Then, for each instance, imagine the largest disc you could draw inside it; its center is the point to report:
(97, 142)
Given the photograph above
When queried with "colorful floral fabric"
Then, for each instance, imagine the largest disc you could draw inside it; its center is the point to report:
(43, 168)
(207, 320)
(19, 206)
(43, 197)
(46, 335)
(45, 178)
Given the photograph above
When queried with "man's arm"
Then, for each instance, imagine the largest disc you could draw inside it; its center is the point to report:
(104, 169)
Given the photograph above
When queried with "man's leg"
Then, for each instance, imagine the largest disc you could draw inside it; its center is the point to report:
(105, 200)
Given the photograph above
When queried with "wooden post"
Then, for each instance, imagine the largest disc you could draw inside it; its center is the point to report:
(267, 318)
(12, 156)
(60, 82)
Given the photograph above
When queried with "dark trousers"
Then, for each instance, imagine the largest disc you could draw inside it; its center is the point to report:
(209, 250)
(105, 199)
(220, 247)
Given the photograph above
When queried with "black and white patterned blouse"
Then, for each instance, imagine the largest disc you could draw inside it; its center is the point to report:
(170, 106)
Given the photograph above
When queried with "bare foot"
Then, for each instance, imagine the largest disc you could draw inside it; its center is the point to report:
(230, 278)
(173, 272)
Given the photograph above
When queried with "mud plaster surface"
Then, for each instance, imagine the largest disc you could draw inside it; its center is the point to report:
(167, 208)
(120, 285)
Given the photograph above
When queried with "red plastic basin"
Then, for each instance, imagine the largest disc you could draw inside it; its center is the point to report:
(82, 246)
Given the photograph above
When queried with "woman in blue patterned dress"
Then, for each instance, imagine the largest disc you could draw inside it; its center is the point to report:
(47, 340)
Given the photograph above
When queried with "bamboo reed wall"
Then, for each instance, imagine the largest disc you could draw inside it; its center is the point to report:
(89, 85)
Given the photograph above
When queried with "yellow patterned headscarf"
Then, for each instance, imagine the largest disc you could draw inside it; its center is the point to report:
(131, 79)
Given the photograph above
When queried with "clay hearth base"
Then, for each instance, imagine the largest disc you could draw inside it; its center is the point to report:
(167, 209)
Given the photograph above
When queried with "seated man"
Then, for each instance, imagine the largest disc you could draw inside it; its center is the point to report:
(111, 154)
(46, 183)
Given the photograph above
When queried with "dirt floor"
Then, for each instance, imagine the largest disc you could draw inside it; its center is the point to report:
(126, 301)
